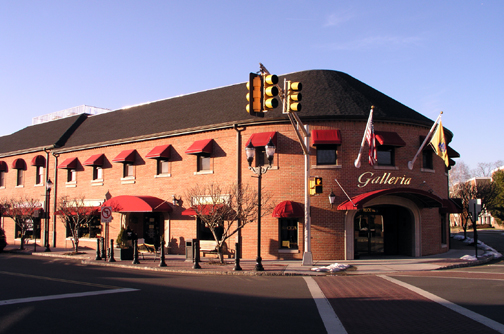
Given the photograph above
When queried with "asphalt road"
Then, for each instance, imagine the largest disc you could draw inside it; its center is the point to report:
(83, 299)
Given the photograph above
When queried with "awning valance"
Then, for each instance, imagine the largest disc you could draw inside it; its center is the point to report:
(262, 138)
(288, 209)
(95, 160)
(389, 138)
(19, 164)
(160, 152)
(201, 146)
(70, 163)
(427, 199)
(207, 210)
(38, 160)
(128, 203)
(325, 137)
(126, 156)
(84, 211)
(3, 166)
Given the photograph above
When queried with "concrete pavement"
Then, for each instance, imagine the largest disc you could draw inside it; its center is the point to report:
(178, 263)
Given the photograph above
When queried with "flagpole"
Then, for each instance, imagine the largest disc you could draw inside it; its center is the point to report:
(412, 162)
(357, 163)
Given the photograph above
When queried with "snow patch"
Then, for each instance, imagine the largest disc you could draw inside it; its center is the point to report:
(335, 267)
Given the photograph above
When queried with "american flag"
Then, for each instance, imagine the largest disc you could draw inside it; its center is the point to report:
(371, 140)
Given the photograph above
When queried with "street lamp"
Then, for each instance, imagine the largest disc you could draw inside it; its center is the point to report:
(259, 170)
(49, 186)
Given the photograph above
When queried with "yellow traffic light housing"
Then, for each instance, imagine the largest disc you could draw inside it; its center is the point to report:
(270, 92)
(255, 95)
(294, 96)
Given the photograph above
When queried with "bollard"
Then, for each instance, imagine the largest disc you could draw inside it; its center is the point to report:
(135, 252)
(111, 251)
(196, 254)
(162, 262)
(103, 254)
(237, 258)
(98, 257)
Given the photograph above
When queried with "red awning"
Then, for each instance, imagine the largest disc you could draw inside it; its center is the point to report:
(39, 160)
(3, 166)
(126, 156)
(95, 160)
(288, 209)
(19, 164)
(325, 137)
(452, 205)
(389, 138)
(200, 146)
(85, 211)
(127, 203)
(205, 209)
(160, 152)
(426, 198)
(262, 138)
(70, 163)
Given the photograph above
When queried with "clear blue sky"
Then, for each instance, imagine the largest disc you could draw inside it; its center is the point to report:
(429, 55)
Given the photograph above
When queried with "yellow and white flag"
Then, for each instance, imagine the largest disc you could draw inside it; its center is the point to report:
(439, 144)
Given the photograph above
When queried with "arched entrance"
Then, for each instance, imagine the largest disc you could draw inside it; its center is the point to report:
(383, 230)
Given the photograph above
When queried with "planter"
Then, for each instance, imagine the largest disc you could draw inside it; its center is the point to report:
(125, 253)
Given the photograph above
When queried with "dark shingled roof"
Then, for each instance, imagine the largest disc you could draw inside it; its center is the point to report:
(326, 95)
(37, 137)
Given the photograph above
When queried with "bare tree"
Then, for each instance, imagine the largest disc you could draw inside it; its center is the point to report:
(484, 169)
(459, 173)
(75, 214)
(227, 208)
(484, 189)
(24, 211)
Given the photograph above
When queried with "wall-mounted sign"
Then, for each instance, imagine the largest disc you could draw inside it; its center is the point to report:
(367, 178)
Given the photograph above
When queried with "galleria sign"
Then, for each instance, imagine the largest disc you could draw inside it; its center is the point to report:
(387, 178)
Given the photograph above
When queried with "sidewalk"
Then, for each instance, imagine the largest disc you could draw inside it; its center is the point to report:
(209, 265)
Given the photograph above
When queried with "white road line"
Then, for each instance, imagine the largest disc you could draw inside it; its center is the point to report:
(63, 296)
(459, 309)
(331, 321)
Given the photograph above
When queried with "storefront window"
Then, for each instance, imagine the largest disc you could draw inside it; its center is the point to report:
(288, 233)
(92, 229)
(32, 230)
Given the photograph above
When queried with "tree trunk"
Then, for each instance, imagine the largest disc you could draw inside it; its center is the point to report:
(76, 245)
(22, 243)
(219, 252)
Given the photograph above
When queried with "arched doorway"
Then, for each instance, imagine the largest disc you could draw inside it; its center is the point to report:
(383, 230)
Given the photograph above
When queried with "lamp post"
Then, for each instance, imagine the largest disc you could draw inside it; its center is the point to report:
(259, 170)
(49, 186)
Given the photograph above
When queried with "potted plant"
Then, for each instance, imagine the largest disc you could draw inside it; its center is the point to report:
(125, 251)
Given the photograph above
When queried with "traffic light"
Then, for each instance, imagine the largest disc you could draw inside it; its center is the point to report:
(270, 92)
(294, 96)
(318, 185)
(255, 95)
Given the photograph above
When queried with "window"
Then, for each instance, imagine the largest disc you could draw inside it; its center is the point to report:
(39, 174)
(2, 179)
(327, 154)
(128, 170)
(203, 162)
(427, 159)
(385, 155)
(20, 178)
(163, 167)
(29, 224)
(288, 233)
(71, 175)
(97, 173)
(261, 158)
(91, 229)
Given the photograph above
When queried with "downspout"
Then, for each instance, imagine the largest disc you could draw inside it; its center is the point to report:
(55, 196)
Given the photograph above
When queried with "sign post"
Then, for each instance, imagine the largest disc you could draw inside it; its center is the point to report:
(474, 212)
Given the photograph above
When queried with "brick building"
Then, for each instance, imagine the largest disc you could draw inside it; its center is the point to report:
(145, 156)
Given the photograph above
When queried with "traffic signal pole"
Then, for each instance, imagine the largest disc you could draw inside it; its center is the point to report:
(303, 135)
